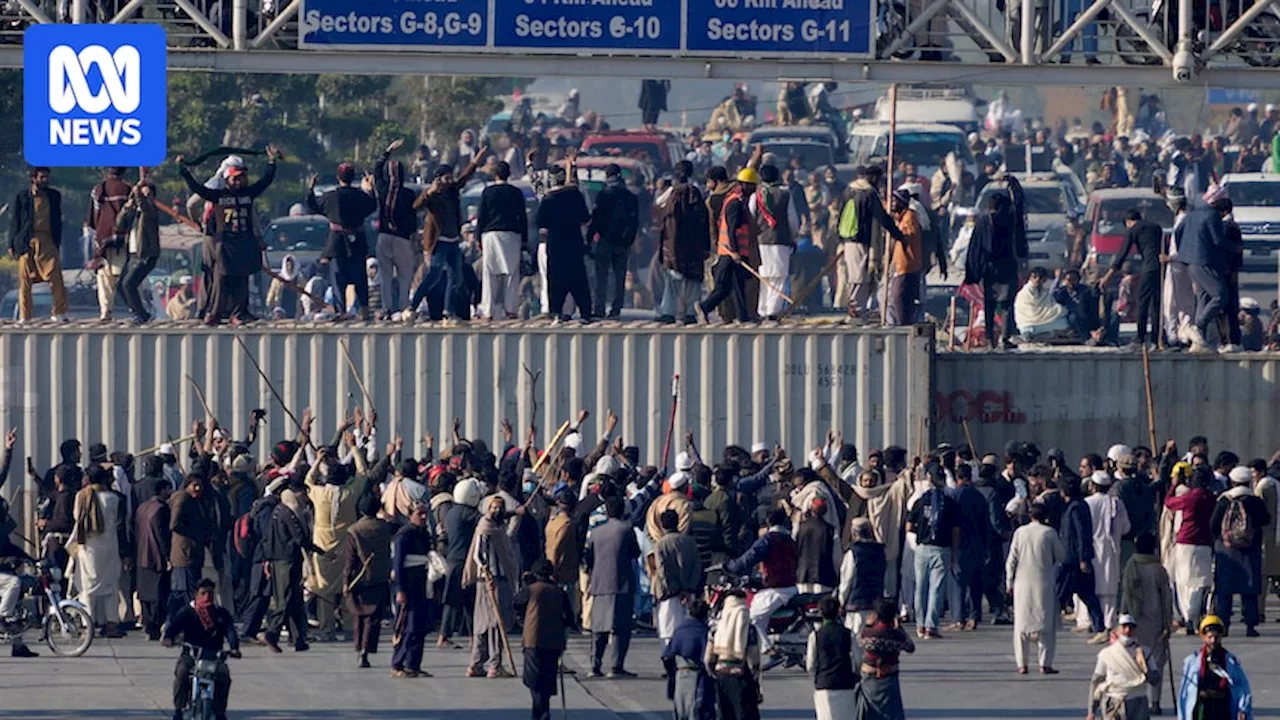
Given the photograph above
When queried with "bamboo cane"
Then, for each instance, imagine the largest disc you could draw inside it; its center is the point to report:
(275, 392)
(491, 585)
(813, 284)
(951, 324)
(200, 394)
(764, 282)
(1151, 407)
(968, 438)
(346, 353)
(888, 238)
(550, 447)
(179, 441)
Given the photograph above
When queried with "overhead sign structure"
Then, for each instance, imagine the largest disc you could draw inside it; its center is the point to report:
(720, 28)
(94, 95)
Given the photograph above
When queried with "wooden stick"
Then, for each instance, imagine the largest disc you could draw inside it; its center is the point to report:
(179, 441)
(968, 332)
(951, 323)
(274, 392)
(968, 437)
(1151, 406)
(491, 585)
(554, 440)
(813, 284)
(920, 436)
(1172, 691)
(888, 238)
(764, 282)
(200, 394)
(533, 394)
(356, 373)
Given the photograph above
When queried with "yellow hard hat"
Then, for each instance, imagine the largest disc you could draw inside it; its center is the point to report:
(1212, 621)
(749, 175)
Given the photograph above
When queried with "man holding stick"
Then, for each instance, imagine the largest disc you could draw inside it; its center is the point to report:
(491, 561)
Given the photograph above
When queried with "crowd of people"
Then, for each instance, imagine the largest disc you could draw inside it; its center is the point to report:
(473, 544)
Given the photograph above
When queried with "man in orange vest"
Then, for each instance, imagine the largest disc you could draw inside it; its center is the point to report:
(733, 248)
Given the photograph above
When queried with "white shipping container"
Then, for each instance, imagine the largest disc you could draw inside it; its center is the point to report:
(129, 388)
(1084, 402)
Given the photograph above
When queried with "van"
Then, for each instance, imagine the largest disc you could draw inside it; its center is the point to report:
(948, 106)
(923, 144)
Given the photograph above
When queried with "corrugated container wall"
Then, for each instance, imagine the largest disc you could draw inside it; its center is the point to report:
(1086, 402)
(129, 388)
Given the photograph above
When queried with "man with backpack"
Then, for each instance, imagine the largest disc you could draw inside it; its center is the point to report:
(1237, 524)
(614, 224)
(863, 209)
(683, 224)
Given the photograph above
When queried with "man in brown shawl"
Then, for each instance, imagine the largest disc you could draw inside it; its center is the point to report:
(368, 566)
(491, 564)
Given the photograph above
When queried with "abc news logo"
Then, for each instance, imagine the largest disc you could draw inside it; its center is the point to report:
(121, 90)
(94, 95)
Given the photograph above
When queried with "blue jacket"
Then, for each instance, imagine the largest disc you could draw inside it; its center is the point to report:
(1202, 240)
(1077, 532)
(1241, 696)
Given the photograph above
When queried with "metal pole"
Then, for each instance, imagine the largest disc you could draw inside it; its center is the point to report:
(1028, 33)
(923, 19)
(1141, 31)
(239, 21)
(1229, 35)
(1069, 35)
(77, 11)
(888, 238)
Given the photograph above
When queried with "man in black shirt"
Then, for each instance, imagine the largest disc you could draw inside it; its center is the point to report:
(444, 285)
(345, 207)
(236, 250)
(206, 626)
(397, 223)
(503, 227)
(561, 216)
(935, 519)
(614, 224)
(1148, 238)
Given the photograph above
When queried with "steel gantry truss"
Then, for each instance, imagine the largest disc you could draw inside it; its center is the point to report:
(1219, 43)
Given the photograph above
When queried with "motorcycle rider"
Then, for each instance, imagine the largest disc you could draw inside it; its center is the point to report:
(11, 558)
(775, 553)
(206, 625)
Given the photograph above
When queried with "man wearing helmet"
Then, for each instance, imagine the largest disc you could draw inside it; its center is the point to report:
(1213, 681)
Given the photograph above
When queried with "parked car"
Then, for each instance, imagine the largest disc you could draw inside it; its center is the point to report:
(660, 149)
(816, 145)
(1256, 197)
(1104, 222)
(924, 144)
(1050, 201)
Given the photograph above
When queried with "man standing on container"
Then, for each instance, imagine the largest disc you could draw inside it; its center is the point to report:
(777, 226)
(865, 210)
(236, 249)
(1148, 237)
(733, 248)
(682, 246)
(106, 203)
(35, 239)
(503, 227)
(614, 223)
(1202, 245)
(397, 224)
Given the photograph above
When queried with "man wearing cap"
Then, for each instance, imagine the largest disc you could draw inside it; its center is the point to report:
(1110, 523)
(610, 554)
(675, 498)
(1213, 681)
(235, 249)
(733, 248)
(614, 224)
(345, 207)
(1118, 688)
(1237, 525)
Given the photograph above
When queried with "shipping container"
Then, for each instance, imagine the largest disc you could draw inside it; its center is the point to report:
(133, 389)
(1084, 402)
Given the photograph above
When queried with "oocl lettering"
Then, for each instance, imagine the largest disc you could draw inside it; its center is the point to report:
(985, 406)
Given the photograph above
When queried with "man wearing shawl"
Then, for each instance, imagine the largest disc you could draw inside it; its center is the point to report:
(547, 619)
(992, 260)
(1147, 596)
(733, 660)
(887, 510)
(1267, 488)
(492, 568)
(97, 536)
(335, 495)
(368, 566)
(882, 642)
(688, 684)
(1118, 688)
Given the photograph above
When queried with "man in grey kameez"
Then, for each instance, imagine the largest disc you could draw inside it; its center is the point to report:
(1034, 555)
(1148, 597)
(611, 551)
(491, 566)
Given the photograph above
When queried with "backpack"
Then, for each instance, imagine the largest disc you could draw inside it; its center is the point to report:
(1237, 530)
(849, 220)
(249, 527)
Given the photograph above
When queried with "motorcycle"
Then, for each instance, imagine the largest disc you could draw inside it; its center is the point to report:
(789, 625)
(1258, 45)
(200, 701)
(65, 625)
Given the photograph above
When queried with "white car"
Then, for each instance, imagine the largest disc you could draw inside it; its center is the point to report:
(1256, 197)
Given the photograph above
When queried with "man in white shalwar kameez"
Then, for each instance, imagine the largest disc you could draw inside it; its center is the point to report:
(1031, 571)
(1110, 523)
(1178, 301)
(96, 538)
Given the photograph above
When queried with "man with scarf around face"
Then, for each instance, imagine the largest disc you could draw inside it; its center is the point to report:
(1118, 688)
(397, 224)
(493, 569)
(1214, 685)
(206, 626)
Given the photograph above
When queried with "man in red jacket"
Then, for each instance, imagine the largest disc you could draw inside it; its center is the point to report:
(1193, 553)
(775, 552)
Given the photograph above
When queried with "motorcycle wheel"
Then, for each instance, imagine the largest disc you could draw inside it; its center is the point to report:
(74, 637)
(1132, 49)
(1262, 43)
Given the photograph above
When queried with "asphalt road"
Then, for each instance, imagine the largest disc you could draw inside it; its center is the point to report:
(963, 677)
